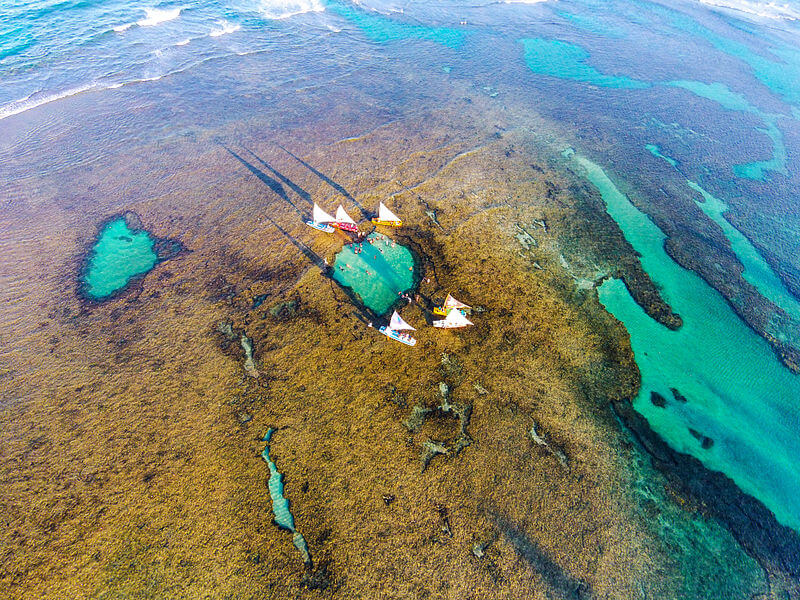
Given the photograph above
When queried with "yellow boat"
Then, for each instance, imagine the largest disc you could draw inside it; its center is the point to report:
(387, 217)
(449, 304)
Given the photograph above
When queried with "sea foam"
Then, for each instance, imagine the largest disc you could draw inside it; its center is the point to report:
(224, 28)
(767, 10)
(37, 99)
(283, 9)
(155, 16)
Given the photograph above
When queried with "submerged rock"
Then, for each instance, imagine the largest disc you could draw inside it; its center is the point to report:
(678, 396)
(249, 362)
(658, 400)
(555, 451)
(431, 448)
(705, 441)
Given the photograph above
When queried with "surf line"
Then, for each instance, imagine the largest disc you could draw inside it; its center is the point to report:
(280, 505)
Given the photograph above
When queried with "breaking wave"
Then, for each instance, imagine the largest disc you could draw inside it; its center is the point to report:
(283, 9)
(767, 10)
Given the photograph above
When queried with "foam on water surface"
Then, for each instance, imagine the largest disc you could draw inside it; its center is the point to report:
(378, 274)
(119, 255)
(738, 393)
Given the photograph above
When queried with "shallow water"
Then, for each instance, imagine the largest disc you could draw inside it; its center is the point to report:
(118, 255)
(738, 393)
(381, 271)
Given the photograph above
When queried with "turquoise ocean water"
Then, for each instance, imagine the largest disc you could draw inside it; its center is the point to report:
(712, 86)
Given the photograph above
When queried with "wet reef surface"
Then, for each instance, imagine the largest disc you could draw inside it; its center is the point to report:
(483, 463)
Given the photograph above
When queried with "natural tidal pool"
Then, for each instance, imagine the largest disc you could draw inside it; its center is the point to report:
(732, 389)
(378, 270)
(120, 254)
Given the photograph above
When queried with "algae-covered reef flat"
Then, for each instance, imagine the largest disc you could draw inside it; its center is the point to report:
(230, 423)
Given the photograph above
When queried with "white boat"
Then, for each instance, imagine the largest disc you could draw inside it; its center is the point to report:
(449, 304)
(320, 220)
(344, 221)
(395, 328)
(453, 320)
(387, 217)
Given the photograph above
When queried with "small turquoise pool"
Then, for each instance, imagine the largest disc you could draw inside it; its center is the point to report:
(378, 270)
(118, 255)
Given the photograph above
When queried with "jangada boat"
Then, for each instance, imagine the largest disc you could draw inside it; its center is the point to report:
(453, 320)
(394, 330)
(449, 304)
(387, 217)
(320, 220)
(343, 221)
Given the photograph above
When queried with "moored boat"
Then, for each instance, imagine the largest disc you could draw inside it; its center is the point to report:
(343, 221)
(449, 304)
(387, 217)
(395, 328)
(320, 220)
(453, 320)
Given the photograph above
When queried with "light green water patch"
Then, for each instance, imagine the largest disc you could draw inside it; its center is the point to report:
(381, 28)
(378, 274)
(656, 151)
(780, 76)
(717, 92)
(280, 505)
(730, 100)
(739, 394)
(118, 255)
(758, 170)
(756, 271)
(568, 61)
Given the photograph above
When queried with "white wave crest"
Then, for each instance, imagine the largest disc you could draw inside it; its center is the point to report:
(37, 99)
(224, 28)
(283, 9)
(121, 28)
(523, 1)
(183, 42)
(768, 10)
(154, 16)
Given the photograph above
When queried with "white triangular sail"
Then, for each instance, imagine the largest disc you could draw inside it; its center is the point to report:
(455, 318)
(320, 216)
(397, 323)
(384, 214)
(343, 217)
(451, 302)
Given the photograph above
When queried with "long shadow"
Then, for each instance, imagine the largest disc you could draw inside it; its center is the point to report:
(271, 183)
(295, 188)
(307, 252)
(559, 581)
(363, 313)
(339, 188)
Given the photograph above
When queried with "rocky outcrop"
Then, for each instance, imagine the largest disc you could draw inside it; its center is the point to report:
(774, 546)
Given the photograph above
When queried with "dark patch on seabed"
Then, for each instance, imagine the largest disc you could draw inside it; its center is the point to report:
(775, 547)
(555, 577)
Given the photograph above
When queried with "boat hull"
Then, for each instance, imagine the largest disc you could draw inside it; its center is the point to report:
(324, 227)
(438, 310)
(346, 227)
(397, 336)
(444, 325)
(388, 223)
